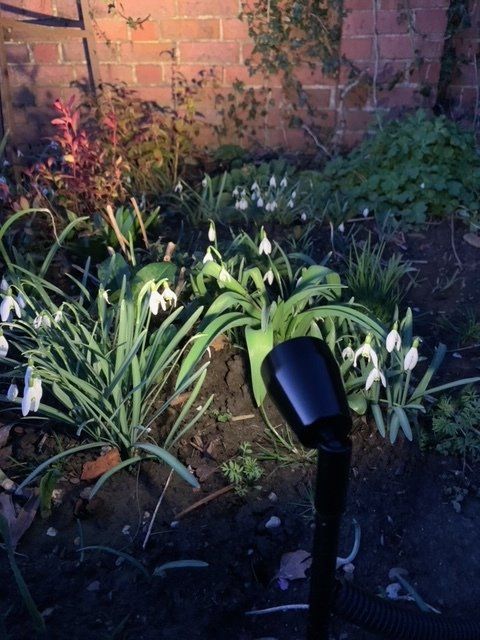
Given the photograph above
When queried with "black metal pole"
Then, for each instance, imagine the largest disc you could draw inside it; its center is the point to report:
(330, 494)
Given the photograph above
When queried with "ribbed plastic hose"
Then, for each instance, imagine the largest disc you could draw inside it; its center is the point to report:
(393, 623)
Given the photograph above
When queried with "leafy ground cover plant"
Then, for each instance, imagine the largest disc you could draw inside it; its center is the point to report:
(412, 168)
(456, 426)
(108, 369)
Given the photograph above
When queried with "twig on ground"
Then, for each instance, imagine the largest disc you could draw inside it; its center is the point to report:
(206, 500)
(157, 507)
(452, 237)
(140, 221)
(285, 607)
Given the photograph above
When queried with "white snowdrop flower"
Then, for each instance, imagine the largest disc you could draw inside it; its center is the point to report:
(169, 295)
(291, 204)
(32, 395)
(3, 346)
(208, 256)
(104, 295)
(422, 185)
(243, 204)
(348, 353)
(212, 236)
(4, 286)
(273, 182)
(178, 187)
(294, 195)
(243, 193)
(268, 277)
(303, 217)
(255, 186)
(411, 357)
(21, 301)
(268, 206)
(46, 322)
(366, 351)
(204, 182)
(12, 392)
(394, 340)
(58, 316)
(365, 212)
(260, 202)
(155, 301)
(274, 205)
(283, 182)
(254, 196)
(265, 245)
(235, 192)
(224, 276)
(375, 375)
(37, 321)
(8, 304)
(341, 227)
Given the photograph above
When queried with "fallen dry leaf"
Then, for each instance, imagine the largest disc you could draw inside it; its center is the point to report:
(293, 566)
(19, 522)
(472, 239)
(93, 469)
(4, 433)
(219, 343)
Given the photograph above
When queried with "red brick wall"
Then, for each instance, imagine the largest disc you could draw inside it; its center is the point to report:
(393, 46)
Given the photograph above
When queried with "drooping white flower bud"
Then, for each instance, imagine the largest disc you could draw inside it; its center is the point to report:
(208, 256)
(366, 351)
(265, 245)
(394, 340)
(8, 304)
(268, 277)
(411, 357)
(3, 345)
(155, 301)
(348, 353)
(375, 375)
(212, 235)
(12, 392)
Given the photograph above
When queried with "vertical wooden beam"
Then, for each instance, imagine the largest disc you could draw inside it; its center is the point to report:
(91, 48)
(6, 96)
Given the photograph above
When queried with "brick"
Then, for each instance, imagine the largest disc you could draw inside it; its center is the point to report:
(234, 29)
(117, 73)
(73, 52)
(240, 72)
(159, 95)
(190, 29)
(357, 5)
(246, 52)
(357, 119)
(428, 72)
(45, 53)
(107, 52)
(399, 96)
(391, 22)
(149, 74)
(358, 23)
(17, 53)
(396, 47)
(53, 75)
(208, 8)
(156, 9)
(111, 29)
(431, 50)
(356, 48)
(213, 52)
(146, 32)
(195, 71)
(320, 98)
(142, 51)
(431, 21)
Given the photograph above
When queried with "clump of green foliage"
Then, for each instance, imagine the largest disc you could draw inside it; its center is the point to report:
(456, 425)
(244, 470)
(411, 168)
(379, 284)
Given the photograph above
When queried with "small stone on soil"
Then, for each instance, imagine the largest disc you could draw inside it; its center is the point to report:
(94, 586)
(273, 523)
(51, 532)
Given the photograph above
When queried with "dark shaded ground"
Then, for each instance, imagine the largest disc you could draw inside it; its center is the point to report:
(401, 497)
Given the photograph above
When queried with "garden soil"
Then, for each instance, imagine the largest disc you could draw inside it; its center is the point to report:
(417, 511)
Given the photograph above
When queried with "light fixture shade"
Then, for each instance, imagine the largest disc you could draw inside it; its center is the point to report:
(304, 381)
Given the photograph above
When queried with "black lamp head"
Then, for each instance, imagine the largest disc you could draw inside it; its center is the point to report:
(303, 379)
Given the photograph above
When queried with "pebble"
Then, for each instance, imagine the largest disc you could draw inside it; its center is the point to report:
(126, 530)
(51, 532)
(273, 523)
(174, 524)
(456, 355)
(94, 586)
(272, 497)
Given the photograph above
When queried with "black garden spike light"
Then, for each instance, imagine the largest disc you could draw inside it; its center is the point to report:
(303, 378)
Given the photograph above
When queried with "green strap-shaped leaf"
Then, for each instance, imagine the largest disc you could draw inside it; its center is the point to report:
(404, 422)
(378, 417)
(169, 459)
(219, 325)
(259, 345)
